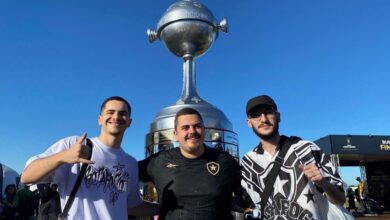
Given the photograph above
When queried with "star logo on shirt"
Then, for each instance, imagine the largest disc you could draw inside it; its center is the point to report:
(279, 189)
(213, 168)
(310, 196)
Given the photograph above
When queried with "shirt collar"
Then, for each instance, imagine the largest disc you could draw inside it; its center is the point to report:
(259, 149)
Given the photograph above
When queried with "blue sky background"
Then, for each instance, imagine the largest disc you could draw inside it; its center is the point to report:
(326, 63)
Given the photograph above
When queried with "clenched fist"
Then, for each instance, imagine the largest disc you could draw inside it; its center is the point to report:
(312, 172)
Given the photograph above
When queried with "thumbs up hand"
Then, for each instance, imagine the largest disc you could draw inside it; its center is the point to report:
(78, 152)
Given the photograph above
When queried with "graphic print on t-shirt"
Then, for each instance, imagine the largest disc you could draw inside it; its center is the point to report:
(114, 181)
(291, 188)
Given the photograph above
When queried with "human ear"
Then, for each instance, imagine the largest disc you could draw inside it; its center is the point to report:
(248, 122)
(100, 120)
(175, 135)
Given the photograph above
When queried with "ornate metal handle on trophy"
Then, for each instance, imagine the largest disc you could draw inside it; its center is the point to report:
(222, 26)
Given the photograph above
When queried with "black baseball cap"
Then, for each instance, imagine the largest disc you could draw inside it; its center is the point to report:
(260, 100)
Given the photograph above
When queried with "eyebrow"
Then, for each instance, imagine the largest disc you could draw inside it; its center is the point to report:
(114, 110)
(189, 125)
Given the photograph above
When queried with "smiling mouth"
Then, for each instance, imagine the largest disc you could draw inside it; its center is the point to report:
(265, 126)
(193, 137)
(115, 123)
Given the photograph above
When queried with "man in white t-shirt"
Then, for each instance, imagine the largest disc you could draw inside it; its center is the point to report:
(109, 189)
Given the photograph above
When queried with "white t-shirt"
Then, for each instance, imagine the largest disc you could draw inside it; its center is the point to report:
(109, 187)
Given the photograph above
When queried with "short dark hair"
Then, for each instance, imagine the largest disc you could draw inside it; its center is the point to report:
(187, 111)
(115, 98)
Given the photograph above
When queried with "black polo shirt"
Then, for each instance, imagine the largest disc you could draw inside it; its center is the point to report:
(193, 188)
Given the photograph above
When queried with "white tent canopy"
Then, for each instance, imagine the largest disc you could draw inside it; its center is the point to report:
(9, 176)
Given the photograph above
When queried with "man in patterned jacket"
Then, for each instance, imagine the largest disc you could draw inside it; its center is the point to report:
(307, 178)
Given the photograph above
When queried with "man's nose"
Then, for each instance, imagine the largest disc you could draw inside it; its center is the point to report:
(263, 117)
(192, 129)
(115, 115)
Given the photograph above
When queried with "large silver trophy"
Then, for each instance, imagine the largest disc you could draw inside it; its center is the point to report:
(188, 29)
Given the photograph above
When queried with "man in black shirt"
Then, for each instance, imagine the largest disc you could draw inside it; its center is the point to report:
(192, 181)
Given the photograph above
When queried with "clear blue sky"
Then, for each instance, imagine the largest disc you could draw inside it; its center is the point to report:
(326, 63)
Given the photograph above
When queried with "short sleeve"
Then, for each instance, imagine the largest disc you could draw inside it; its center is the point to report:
(142, 168)
(57, 147)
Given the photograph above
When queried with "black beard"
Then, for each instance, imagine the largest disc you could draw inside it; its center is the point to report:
(194, 135)
(267, 136)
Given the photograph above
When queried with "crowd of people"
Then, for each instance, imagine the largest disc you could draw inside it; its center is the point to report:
(24, 204)
(193, 181)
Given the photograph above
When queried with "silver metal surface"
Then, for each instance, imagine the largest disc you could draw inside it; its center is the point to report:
(188, 29)
(212, 117)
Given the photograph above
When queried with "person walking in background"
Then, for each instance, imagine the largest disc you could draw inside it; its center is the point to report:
(304, 175)
(357, 196)
(109, 189)
(50, 206)
(9, 209)
(351, 200)
(25, 203)
(360, 187)
(193, 181)
(361, 194)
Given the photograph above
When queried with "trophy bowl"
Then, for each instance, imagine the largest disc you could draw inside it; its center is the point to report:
(187, 29)
(188, 37)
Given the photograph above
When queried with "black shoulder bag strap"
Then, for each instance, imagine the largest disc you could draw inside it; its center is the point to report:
(64, 213)
(285, 144)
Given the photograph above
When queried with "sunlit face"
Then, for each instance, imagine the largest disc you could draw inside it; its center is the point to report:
(114, 118)
(264, 122)
(189, 132)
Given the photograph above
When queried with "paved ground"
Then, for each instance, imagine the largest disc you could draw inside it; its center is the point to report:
(385, 216)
